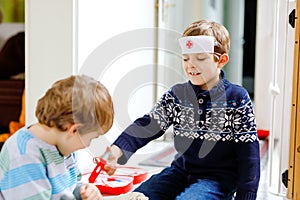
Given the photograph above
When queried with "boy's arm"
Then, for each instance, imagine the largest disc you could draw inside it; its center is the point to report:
(247, 151)
(137, 135)
(248, 160)
(147, 128)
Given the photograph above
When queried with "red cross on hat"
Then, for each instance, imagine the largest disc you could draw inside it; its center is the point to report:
(189, 44)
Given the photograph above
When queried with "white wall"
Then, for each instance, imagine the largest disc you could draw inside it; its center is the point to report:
(115, 45)
(50, 45)
(264, 61)
(62, 35)
(99, 21)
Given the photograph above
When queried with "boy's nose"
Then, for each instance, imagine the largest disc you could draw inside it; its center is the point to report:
(190, 64)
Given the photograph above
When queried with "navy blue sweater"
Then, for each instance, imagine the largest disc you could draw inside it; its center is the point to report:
(214, 133)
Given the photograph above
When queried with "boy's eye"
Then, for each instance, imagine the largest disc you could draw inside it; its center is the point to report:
(185, 59)
(201, 59)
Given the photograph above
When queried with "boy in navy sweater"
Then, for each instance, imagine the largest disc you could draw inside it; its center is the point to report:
(213, 124)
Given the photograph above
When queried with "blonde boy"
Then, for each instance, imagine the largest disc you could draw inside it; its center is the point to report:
(38, 161)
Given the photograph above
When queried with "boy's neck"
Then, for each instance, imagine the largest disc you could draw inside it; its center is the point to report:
(44, 133)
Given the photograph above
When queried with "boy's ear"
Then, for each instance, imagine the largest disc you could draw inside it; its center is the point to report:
(73, 128)
(224, 58)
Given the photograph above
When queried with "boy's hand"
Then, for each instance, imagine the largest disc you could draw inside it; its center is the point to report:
(90, 192)
(113, 153)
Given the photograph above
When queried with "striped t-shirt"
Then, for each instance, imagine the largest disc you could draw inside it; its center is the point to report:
(33, 169)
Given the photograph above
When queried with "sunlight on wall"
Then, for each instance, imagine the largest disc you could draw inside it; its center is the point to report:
(100, 23)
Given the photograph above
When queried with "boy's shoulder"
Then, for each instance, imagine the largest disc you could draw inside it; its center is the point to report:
(235, 89)
(25, 144)
(181, 87)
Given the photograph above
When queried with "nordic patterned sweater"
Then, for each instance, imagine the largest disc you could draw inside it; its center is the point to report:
(214, 133)
(33, 169)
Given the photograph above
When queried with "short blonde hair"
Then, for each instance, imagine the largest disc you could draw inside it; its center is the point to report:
(211, 28)
(78, 99)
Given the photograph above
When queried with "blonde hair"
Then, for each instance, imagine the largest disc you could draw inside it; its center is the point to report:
(78, 99)
(211, 28)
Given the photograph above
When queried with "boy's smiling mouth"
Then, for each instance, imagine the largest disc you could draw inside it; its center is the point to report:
(194, 73)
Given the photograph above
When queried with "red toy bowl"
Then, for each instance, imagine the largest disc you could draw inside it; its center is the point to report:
(112, 185)
(138, 174)
(121, 182)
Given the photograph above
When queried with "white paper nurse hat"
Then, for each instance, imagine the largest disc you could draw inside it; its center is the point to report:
(197, 44)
